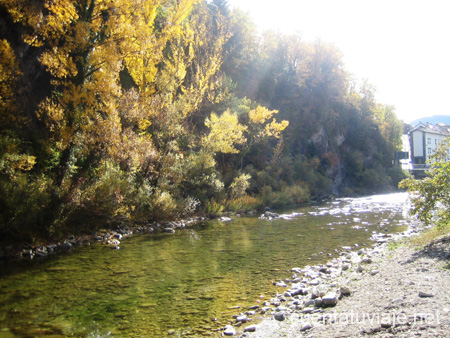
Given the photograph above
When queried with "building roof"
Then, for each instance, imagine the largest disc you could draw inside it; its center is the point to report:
(441, 128)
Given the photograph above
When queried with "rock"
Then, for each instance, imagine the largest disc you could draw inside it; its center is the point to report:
(28, 253)
(169, 230)
(310, 302)
(318, 302)
(359, 268)
(345, 266)
(423, 294)
(41, 252)
(113, 242)
(280, 316)
(330, 299)
(224, 219)
(306, 327)
(242, 319)
(269, 215)
(345, 291)
(366, 260)
(314, 282)
(51, 248)
(229, 331)
(251, 328)
(374, 272)
(66, 246)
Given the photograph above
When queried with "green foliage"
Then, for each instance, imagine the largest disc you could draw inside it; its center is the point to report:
(240, 185)
(213, 208)
(244, 203)
(288, 195)
(431, 196)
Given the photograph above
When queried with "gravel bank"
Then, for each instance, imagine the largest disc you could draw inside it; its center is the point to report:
(395, 293)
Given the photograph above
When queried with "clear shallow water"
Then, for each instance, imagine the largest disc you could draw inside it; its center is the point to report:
(185, 283)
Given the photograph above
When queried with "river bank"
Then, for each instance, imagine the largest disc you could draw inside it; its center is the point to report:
(109, 237)
(389, 290)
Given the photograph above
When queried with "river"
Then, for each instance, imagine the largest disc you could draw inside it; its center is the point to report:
(187, 283)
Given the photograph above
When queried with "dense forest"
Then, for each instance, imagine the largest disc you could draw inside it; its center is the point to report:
(137, 111)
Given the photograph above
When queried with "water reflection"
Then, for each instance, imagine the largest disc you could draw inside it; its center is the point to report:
(187, 282)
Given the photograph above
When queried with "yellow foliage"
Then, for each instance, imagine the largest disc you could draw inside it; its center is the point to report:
(225, 133)
(8, 74)
(274, 128)
(261, 114)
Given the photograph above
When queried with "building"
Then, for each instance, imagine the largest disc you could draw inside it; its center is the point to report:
(424, 139)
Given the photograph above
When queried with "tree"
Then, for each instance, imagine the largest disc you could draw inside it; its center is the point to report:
(225, 133)
(430, 196)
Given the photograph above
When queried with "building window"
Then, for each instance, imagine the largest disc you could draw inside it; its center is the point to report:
(435, 141)
(429, 140)
(429, 150)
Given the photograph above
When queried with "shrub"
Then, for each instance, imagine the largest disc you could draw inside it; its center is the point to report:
(239, 186)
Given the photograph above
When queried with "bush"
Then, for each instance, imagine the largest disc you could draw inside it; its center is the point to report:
(213, 208)
(239, 186)
(243, 204)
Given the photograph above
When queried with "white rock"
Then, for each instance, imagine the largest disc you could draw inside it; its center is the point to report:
(330, 299)
(306, 327)
(251, 328)
(229, 331)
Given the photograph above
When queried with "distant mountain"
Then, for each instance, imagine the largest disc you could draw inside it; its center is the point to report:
(435, 119)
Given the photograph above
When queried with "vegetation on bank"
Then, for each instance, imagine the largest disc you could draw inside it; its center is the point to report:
(430, 196)
(141, 110)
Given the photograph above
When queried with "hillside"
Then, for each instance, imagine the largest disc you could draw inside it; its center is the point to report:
(140, 111)
(435, 119)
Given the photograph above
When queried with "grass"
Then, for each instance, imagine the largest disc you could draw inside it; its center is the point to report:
(427, 236)
(394, 245)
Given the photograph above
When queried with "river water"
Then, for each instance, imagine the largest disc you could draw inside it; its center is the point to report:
(187, 283)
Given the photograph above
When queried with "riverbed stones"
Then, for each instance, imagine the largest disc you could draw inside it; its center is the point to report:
(345, 291)
(66, 246)
(41, 252)
(280, 316)
(423, 294)
(306, 327)
(251, 328)
(229, 330)
(330, 299)
(241, 319)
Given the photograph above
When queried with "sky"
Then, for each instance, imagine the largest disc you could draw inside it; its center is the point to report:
(402, 47)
